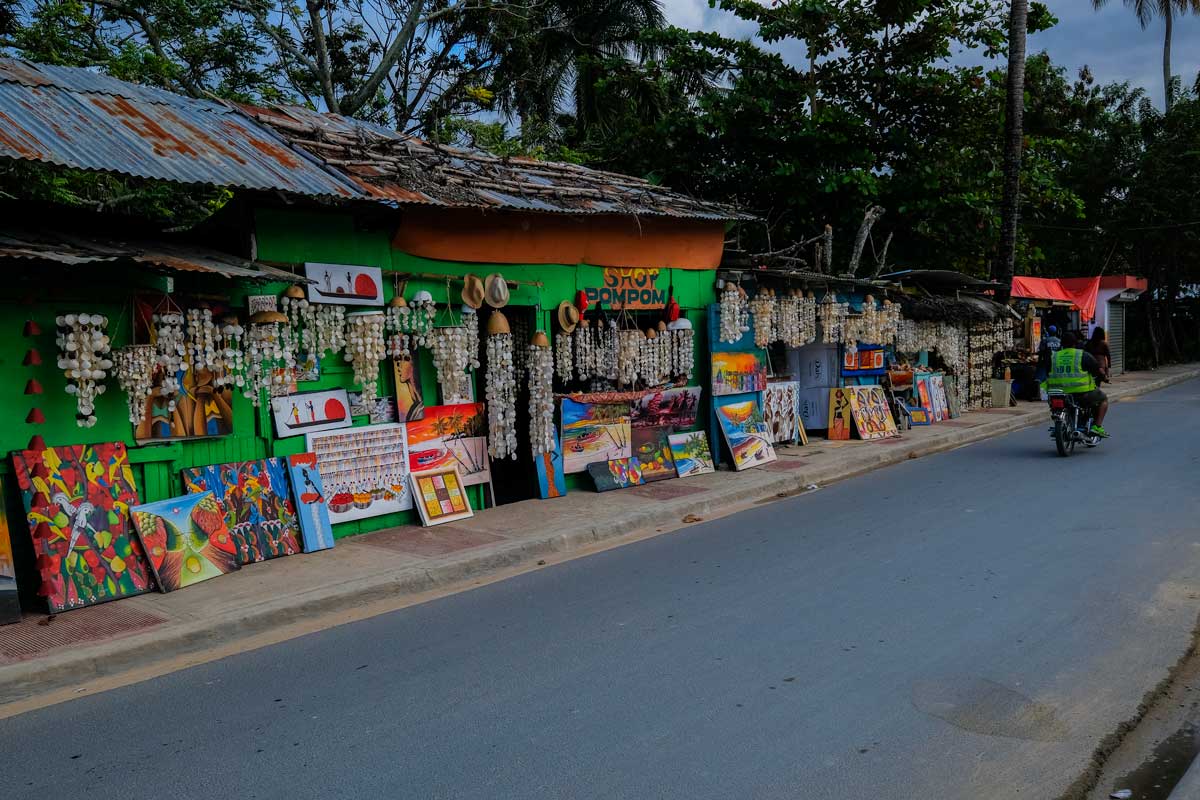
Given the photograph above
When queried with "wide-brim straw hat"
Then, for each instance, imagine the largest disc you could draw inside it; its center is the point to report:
(568, 316)
(472, 293)
(495, 290)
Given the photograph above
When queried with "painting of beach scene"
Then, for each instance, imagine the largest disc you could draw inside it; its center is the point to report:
(594, 432)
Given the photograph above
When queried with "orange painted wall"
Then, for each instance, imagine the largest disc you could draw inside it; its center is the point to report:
(504, 237)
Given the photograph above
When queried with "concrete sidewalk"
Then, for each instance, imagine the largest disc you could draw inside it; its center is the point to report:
(38, 656)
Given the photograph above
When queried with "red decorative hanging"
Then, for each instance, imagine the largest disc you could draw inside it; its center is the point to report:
(581, 301)
(33, 387)
(32, 359)
(35, 416)
(32, 328)
(36, 443)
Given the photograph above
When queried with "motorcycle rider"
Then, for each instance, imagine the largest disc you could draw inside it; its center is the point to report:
(1076, 372)
(1050, 345)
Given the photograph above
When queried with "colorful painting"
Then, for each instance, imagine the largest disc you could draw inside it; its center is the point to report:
(10, 604)
(594, 432)
(201, 409)
(865, 360)
(258, 505)
(378, 412)
(675, 408)
(922, 396)
(653, 452)
(691, 453)
(441, 496)
(77, 501)
(451, 436)
(312, 411)
(344, 285)
(869, 409)
(186, 540)
(841, 418)
(618, 473)
(552, 480)
(937, 394)
(746, 434)
(781, 410)
(737, 373)
(364, 470)
(308, 367)
(953, 404)
(918, 415)
(312, 509)
(409, 405)
(283, 382)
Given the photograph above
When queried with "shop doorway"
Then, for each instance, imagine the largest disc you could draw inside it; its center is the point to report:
(513, 480)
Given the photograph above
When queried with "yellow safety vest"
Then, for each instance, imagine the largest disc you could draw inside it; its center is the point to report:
(1067, 373)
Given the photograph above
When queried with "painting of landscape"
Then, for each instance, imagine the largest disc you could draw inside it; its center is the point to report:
(594, 432)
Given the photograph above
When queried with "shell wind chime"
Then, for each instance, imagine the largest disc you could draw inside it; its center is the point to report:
(762, 308)
(629, 352)
(540, 364)
(424, 310)
(683, 349)
(302, 319)
(501, 389)
(734, 313)
(134, 366)
(788, 329)
(365, 348)
(832, 315)
(269, 354)
(83, 347)
(202, 340)
(649, 363)
(584, 340)
(395, 324)
(564, 355)
(470, 322)
(172, 353)
(452, 358)
(233, 357)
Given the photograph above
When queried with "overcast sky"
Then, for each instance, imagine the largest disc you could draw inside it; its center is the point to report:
(1109, 41)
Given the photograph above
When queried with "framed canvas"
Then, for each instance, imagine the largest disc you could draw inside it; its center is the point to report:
(202, 409)
(674, 408)
(364, 470)
(594, 432)
(257, 499)
(617, 473)
(186, 540)
(918, 415)
(308, 367)
(344, 284)
(312, 510)
(551, 478)
(296, 414)
(781, 410)
(653, 452)
(953, 404)
(451, 436)
(937, 394)
(77, 501)
(746, 434)
(870, 412)
(922, 396)
(841, 418)
(691, 453)
(738, 373)
(406, 368)
(10, 604)
(441, 496)
(865, 360)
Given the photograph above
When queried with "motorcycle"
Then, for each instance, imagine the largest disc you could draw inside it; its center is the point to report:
(1072, 423)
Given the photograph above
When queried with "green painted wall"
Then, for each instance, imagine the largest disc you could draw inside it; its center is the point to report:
(291, 237)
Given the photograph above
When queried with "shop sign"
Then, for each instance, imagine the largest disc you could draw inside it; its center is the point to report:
(631, 289)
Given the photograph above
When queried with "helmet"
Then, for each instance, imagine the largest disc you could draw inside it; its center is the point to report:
(1052, 330)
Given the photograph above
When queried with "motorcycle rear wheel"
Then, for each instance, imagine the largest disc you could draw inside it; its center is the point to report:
(1062, 438)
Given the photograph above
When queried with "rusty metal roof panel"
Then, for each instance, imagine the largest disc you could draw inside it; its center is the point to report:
(78, 118)
(391, 166)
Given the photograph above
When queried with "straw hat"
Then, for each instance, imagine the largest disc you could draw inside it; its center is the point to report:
(472, 293)
(568, 316)
(495, 290)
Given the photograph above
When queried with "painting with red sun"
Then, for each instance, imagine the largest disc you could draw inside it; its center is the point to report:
(344, 284)
(310, 412)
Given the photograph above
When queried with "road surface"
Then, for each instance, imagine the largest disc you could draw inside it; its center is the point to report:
(968, 625)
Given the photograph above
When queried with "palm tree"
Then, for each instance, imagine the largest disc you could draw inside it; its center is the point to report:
(1147, 10)
(1014, 118)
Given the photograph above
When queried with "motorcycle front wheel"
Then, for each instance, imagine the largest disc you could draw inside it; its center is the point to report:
(1062, 437)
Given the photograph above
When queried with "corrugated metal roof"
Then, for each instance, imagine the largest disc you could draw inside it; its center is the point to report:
(79, 118)
(393, 167)
(73, 249)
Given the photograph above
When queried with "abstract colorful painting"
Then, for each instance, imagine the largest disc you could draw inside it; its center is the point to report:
(441, 496)
(746, 434)
(675, 408)
(922, 395)
(409, 405)
(865, 360)
(692, 454)
(10, 604)
(451, 436)
(594, 432)
(344, 284)
(869, 409)
(77, 501)
(364, 470)
(552, 481)
(781, 410)
(258, 505)
(841, 418)
(937, 394)
(618, 473)
(737, 373)
(297, 414)
(186, 540)
(201, 409)
(653, 452)
(312, 509)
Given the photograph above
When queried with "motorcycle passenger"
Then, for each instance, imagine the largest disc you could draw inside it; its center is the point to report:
(1076, 372)
(1050, 345)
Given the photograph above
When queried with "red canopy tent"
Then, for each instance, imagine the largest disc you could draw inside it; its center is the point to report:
(1080, 292)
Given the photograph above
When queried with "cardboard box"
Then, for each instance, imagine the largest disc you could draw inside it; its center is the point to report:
(814, 366)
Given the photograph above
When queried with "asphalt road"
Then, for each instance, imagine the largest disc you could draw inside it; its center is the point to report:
(968, 625)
